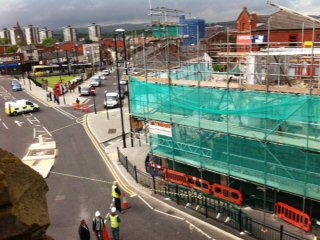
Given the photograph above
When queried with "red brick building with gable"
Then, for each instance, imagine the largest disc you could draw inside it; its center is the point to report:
(285, 29)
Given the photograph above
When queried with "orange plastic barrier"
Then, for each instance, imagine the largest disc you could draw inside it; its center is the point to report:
(76, 106)
(175, 177)
(85, 108)
(199, 184)
(228, 194)
(293, 216)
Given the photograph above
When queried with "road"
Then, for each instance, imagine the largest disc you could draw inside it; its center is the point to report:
(80, 182)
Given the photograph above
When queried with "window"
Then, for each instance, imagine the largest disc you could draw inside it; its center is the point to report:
(293, 40)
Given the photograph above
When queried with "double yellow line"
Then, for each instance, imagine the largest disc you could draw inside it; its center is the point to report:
(106, 159)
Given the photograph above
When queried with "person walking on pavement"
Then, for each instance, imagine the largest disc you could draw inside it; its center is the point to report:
(115, 224)
(83, 230)
(79, 89)
(97, 225)
(116, 194)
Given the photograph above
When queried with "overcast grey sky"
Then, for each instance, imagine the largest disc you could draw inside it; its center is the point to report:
(55, 14)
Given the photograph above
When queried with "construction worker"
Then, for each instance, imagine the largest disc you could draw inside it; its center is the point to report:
(115, 223)
(97, 225)
(116, 194)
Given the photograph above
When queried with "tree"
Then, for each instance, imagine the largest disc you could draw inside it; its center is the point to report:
(4, 41)
(49, 42)
(12, 49)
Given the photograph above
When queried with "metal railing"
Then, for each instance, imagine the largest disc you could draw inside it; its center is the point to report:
(209, 206)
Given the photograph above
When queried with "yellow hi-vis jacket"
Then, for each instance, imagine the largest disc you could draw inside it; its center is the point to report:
(114, 221)
(114, 193)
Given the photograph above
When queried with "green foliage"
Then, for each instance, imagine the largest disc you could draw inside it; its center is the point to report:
(4, 41)
(49, 42)
(55, 79)
(217, 68)
(12, 49)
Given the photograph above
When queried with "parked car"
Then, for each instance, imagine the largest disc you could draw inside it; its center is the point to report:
(106, 71)
(95, 82)
(87, 91)
(16, 86)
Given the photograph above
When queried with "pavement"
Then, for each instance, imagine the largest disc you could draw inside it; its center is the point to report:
(109, 140)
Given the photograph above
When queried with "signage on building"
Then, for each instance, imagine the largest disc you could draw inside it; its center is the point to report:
(244, 40)
(160, 128)
(259, 39)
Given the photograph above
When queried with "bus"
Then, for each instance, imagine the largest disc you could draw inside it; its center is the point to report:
(62, 69)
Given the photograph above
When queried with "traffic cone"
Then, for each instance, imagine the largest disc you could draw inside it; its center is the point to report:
(125, 204)
(105, 234)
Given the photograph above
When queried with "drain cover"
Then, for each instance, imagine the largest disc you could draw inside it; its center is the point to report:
(112, 130)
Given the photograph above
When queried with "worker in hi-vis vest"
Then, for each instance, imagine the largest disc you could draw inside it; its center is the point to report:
(116, 194)
(115, 224)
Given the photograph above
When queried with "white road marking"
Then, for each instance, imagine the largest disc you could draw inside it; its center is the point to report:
(4, 125)
(67, 114)
(18, 123)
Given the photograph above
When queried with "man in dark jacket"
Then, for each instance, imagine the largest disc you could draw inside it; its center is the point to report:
(83, 230)
(98, 225)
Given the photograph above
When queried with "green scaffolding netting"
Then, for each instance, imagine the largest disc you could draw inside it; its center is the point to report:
(263, 137)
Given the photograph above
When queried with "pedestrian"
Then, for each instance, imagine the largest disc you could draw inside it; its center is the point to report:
(79, 89)
(98, 225)
(116, 194)
(115, 224)
(84, 232)
(78, 101)
(50, 96)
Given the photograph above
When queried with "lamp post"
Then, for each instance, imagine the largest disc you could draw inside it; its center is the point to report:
(126, 69)
(31, 61)
(118, 79)
(57, 51)
(57, 48)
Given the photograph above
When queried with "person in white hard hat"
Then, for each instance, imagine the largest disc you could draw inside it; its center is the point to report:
(97, 225)
(116, 194)
(115, 223)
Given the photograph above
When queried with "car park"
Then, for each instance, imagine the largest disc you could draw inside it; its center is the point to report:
(87, 91)
(15, 107)
(16, 86)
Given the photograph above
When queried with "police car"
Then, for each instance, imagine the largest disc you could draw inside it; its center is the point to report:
(13, 108)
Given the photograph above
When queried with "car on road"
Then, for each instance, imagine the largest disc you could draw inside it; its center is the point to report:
(95, 81)
(111, 100)
(15, 107)
(87, 91)
(16, 86)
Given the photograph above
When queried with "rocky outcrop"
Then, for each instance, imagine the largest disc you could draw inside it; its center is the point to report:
(23, 204)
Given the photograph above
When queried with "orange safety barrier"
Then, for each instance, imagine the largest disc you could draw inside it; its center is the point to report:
(293, 216)
(199, 184)
(76, 106)
(228, 194)
(175, 177)
(85, 108)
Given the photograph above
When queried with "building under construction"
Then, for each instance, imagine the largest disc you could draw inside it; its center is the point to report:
(248, 121)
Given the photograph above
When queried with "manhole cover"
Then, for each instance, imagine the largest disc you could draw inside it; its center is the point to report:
(112, 130)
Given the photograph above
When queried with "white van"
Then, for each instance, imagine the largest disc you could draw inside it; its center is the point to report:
(13, 108)
(111, 100)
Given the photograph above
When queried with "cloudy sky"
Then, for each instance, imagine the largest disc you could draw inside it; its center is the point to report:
(55, 14)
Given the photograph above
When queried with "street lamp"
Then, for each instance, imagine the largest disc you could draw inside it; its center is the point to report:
(126, 69)
(118, 79)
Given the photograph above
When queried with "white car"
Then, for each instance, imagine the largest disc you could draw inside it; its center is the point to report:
(111, 100)
(95, 81)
